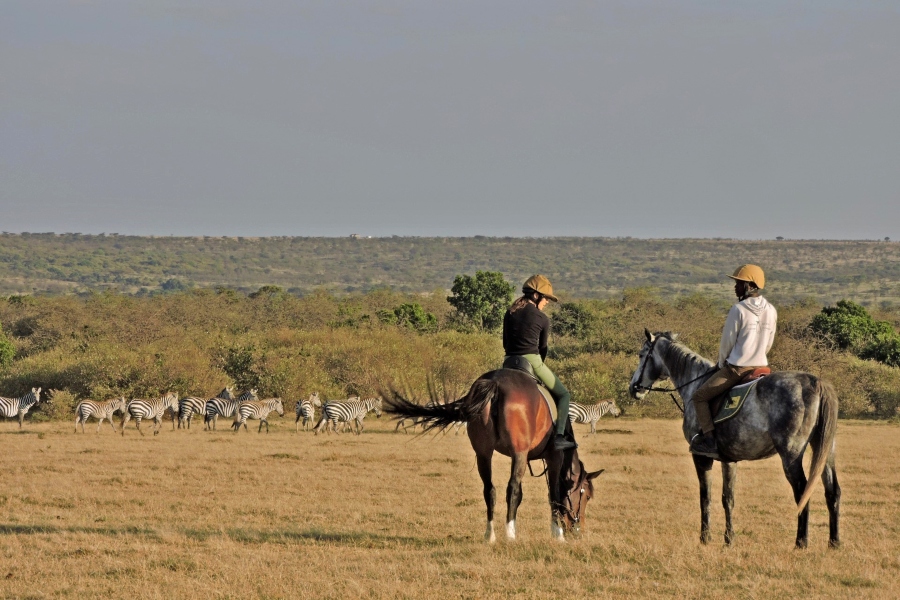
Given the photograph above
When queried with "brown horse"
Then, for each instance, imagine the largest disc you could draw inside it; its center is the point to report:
(506, 413)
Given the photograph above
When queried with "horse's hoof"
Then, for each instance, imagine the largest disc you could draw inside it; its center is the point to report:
(835, 544)
(802, 544)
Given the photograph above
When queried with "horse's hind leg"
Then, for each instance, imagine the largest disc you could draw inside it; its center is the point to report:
(833, 500)
(703, 465)
(514, 492)
(729, 476)
(490, 495)
(793, 470)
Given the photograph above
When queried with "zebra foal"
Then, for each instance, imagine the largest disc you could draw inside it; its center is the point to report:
(306, 409)
(216, 407)
(140, 409)
(99, 410)
(11, 408)
(591, 413)
(257, 409)
(348, 411)
(191, 405)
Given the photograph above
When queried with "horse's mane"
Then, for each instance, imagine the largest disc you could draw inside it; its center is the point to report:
(681, 358)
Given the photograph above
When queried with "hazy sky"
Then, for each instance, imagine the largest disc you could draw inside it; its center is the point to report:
(525, 118)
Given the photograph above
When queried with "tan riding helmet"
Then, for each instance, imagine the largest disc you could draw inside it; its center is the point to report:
(541, 285)
(750, 273)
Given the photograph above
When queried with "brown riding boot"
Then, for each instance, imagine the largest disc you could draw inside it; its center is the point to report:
(705, 444)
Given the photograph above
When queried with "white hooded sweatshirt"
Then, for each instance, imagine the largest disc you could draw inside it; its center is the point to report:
(748, 334)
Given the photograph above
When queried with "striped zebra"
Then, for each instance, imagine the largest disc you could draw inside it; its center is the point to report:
(348, 411)
(307, 410)
(591, 413)
(99, 410)
(257, 409)
(191, 405)
(149, 409)
(11, 408)
(216, 407)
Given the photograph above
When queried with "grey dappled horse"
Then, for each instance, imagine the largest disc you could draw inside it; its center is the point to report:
(784, 413)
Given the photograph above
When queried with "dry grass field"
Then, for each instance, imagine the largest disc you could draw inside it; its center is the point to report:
(221, 515)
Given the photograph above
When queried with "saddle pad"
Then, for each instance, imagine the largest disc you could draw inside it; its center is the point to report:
(733, 401)
(554, 414)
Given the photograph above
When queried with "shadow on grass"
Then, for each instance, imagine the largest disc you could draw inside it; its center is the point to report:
(355, 539)
(253, 536)
(40, 529)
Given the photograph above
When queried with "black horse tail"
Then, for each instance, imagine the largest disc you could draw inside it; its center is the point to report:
(822, 437)
(440, 416)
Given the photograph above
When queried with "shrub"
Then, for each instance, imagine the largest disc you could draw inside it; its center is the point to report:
(481, 300)
(7, 351)
(849, 326)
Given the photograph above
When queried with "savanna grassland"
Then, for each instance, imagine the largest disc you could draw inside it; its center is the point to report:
(865, 271)
(382, 515)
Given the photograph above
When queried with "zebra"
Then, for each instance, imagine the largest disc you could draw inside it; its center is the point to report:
(591, 413)
(307, 410)
(257, 409)
(216, 407)
(348, 411)
(17, 407)
(190, 405)
(149, 409)
(99, 410)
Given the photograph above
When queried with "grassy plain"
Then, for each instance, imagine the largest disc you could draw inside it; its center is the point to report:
(293, 515)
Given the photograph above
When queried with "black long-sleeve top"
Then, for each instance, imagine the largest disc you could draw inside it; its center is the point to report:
(526, 331)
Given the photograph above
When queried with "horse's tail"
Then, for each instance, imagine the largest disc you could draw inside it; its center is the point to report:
(429, 416)
(822, 437)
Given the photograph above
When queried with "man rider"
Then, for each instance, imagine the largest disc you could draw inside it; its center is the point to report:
(746, 339)
(525, 332)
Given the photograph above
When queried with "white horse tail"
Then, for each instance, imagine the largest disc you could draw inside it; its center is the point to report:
(822, 438)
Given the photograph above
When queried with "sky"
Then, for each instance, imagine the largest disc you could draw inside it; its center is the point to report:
(677, 118)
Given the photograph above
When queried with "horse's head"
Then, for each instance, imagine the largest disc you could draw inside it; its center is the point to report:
(650, 367)
(577, 489)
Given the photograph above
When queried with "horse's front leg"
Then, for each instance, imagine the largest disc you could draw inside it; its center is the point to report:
(729, 477)
(514, 492)
(793, 470)
(703, 465)
(554, 468)
(490, 495)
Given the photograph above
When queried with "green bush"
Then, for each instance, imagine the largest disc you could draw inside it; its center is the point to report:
(849, 326)
(7, 351)
(481, 300)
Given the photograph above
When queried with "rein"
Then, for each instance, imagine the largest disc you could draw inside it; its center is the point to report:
(652, 388)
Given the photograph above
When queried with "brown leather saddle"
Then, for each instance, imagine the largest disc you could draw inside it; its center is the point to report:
(728, 404)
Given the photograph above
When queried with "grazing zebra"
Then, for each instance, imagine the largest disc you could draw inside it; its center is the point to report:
(348, 411)
(307, 410)
(216, 407)
(191, 405)
(17, 407)
(99, 410)
(591, 413)
(149, 409)
(257, 409)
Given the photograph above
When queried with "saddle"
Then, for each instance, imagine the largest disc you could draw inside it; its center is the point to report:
(728, 404)
(518, 363)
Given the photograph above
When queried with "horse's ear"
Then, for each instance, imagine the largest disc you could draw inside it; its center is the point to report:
(593, 475)
(648, 334)
(674, 337)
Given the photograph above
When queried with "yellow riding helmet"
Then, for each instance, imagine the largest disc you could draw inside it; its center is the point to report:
(750, 273)
(541, 285)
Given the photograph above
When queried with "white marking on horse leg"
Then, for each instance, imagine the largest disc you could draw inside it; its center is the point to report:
(511, 530)
(556, 532)
(489, 532)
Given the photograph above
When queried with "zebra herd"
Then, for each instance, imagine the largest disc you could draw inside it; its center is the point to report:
(348, 413)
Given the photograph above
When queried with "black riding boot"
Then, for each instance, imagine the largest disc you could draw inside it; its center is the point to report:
(563, 442)
(704, 444)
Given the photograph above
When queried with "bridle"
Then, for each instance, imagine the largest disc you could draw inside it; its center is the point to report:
(571, 512)
(639, 387)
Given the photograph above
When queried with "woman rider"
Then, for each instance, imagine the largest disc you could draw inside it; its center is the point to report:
(525, 332)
